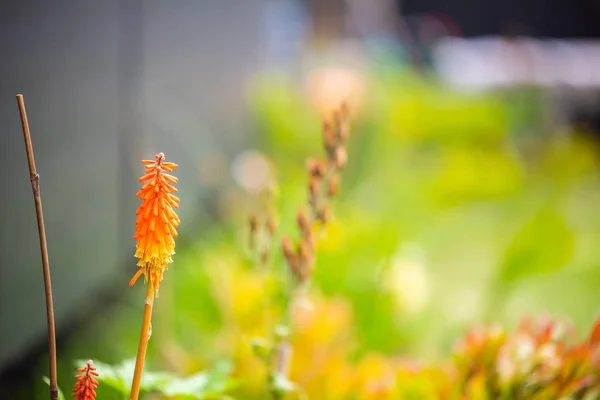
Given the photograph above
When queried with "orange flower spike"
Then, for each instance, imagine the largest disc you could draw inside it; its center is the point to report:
(155, 228)
(85, 387)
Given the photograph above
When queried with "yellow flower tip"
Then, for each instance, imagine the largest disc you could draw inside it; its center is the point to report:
(155, 227)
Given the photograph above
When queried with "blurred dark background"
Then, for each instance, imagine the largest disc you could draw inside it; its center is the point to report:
(565, 19)
(93, 76)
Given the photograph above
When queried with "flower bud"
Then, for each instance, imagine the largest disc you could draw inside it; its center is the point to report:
(340, 157)
(334, 185)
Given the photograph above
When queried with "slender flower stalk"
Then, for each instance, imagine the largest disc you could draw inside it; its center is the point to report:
(323, 185)
(155, 231)
(85, 387)
(35, 185)
(143, 345)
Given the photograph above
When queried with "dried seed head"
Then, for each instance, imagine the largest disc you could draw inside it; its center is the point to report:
(316, 168)
(337, 120)
(311, 164)
(313, 202)
(313, 187)
(305, 261)
(327, 127)
(305, 252)
(334, 185)
(311, 240)
(296, 268)
(328, 136)
(302, 221)
(324, 215)
(305, 273)
(286, 247)
(340, 157)
(343, 130)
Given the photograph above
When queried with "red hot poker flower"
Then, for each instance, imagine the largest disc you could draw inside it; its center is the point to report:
(85, 387)
(155, 228)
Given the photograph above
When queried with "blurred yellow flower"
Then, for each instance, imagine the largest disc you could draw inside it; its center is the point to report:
(408, 281)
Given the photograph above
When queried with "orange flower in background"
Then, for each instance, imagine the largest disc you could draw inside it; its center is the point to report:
(155, 228)
(85, 387)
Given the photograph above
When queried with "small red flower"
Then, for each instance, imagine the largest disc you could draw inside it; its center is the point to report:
(85, 387)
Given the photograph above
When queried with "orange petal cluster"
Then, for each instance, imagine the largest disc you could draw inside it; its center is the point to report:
(85, 387)
(155, 228)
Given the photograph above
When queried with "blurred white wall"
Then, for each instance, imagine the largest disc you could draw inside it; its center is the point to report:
(105, 84)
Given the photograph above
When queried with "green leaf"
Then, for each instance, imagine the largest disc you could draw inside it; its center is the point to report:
(203, 385)
(543, 245)
(61, 396)
(118, 377)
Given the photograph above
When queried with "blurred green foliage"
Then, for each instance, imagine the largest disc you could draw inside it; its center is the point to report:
(455, 208)
(61, 395)
(203, 385)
